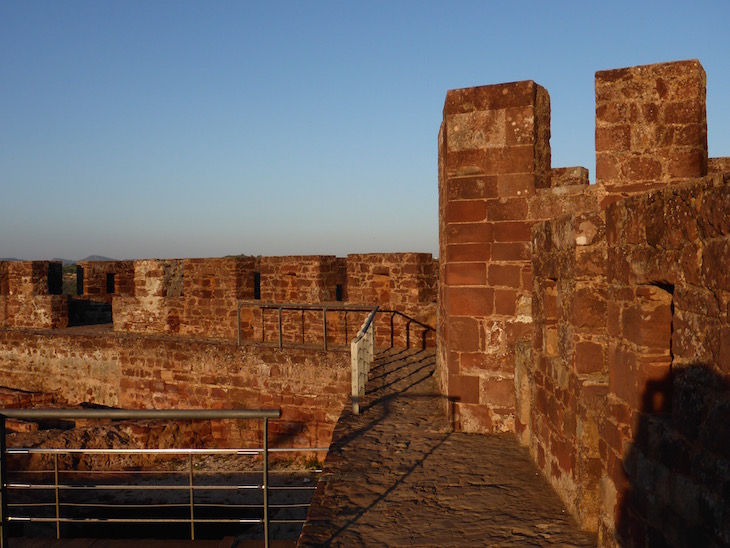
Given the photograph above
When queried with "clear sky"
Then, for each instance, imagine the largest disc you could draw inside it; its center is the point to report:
(136, 129)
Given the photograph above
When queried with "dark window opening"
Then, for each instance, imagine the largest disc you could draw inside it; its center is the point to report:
(257, 285)
(79, 280)
(55, 279)
(110, 284)
(339, 293)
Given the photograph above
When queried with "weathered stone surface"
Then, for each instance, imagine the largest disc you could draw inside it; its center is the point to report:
(396, 475)
(143, 372)
(651, 126)
(627, 280)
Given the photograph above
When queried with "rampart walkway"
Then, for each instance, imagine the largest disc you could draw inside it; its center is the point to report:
(397, 476)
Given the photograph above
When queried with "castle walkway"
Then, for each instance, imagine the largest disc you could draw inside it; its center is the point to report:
(396, 475)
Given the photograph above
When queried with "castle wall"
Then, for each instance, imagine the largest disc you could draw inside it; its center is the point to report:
(102, 280)
(617, 380)
(493, 155)
(495, 183)
(399, 282)
(664, 437)
(30, 295)
(651, 126)
(563, 375)
(140, 372)
(211, 290)
(157, 304)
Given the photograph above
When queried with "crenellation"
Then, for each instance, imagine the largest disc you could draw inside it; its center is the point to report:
(591, 320)
(102, 280)
(626, 286)
(651, 127)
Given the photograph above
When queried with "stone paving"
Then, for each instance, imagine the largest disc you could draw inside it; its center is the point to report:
(397, 476)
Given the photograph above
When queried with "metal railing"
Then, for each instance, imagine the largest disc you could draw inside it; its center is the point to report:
(344, 325)
(362, 353)
(299, 308)
(57, 487)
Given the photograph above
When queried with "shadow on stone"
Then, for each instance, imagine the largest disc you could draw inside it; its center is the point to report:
(677, 468)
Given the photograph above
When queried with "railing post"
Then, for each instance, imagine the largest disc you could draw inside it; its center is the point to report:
(58, 494)
(192, 496)
(266, 482)
(3, 492)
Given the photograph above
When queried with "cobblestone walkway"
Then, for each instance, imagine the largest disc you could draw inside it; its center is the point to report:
(396, 476)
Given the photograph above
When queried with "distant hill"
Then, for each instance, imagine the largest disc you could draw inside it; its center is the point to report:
(97, 258)
(67, 262)
(64, 262)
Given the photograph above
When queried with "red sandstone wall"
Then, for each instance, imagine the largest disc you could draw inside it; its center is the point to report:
(495, 182)
(562, 379)
(401, 282)
(301, 279)
(95, 279)
(4, 278)
(718, 165)
(398, 282)
(621, 373)
(494, 153)
(390, 279)
(32, 295)
(669, 364)
(157, 305)
(132, 372)
(200, 297)
(651, 126)
(621, 398)
(4, 290)
(212, 289)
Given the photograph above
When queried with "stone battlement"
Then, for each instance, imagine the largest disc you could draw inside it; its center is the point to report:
(200, 297)
(578, 315)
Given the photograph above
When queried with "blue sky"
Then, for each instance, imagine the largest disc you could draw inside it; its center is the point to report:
(138, 129)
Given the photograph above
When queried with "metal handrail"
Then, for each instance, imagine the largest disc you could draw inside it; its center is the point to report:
(129, 414)
(331, 307)
(365, 326)
(141, 414)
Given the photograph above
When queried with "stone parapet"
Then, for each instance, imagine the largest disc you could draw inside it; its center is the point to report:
(651, 126)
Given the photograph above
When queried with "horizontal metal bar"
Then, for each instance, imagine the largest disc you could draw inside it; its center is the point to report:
(292, 488)
(122, 487)
(122, 506)
(142, 414)
(130, 520)
(306, 307)
(117, 487)
(244, 452)
(111, 451)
